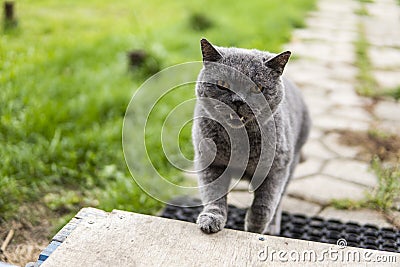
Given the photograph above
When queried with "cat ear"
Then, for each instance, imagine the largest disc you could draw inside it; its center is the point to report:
(278, 62)
(209, 52)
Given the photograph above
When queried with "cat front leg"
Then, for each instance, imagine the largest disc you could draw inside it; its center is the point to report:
(266, 201)
(257, 216)
(214, 185)
(274, 227)
(213, 217)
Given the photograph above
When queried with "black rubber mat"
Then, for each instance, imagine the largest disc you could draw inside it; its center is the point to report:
(301, 227)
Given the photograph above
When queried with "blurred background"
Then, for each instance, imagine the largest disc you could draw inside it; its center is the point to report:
(68, 70)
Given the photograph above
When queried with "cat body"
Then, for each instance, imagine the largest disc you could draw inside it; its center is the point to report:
(249, 122)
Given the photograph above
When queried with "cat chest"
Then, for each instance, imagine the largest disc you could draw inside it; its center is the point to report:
(238, 150)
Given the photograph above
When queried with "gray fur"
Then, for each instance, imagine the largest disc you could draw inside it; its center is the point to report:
(286, 121)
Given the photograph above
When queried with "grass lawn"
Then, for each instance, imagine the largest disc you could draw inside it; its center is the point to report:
(65, 85)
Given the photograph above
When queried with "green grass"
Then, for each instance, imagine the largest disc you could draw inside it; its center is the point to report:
(362, 11)
(395, 93)
(65, 86)
(367, 86)
(388, 186)
(383, 196)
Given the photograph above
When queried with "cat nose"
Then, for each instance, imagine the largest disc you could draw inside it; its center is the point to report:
(237, 103)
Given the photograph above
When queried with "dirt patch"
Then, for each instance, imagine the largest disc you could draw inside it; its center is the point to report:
(373, 142)
(30, 238)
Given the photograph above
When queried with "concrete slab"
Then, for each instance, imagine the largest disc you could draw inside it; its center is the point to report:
(129, 239)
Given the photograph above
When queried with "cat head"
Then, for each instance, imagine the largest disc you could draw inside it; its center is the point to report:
(245, 83)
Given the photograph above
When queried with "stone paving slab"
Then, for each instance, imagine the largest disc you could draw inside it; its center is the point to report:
(333, 86)
(387, 79)
(349, 99)
(352, 171)
(298, 206)
(388, 117)
(331, 122)
(306, 71)
(363, 216)
(338, 36)
(243, 200)
(315, 149)
(331, 141)
(323, 189)
(356, 114)
(312, 165)
(241, 185)
(317, 106)
(382, 24)
(385, 57)
(240, 199)
(388, 127)
(384, 39)
(324, 22)
(388, 110)
(344, 72)
(334, 53)
(315, 134)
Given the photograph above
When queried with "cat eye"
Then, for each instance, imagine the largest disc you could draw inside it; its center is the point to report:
(222, 85)
(257, 89)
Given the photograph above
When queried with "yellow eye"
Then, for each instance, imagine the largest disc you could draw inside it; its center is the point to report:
(222, 85)
(256, 89)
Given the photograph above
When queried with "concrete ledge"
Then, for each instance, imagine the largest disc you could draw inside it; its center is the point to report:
(130, 239)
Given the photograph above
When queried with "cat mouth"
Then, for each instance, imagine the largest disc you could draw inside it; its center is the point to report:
(236, 121)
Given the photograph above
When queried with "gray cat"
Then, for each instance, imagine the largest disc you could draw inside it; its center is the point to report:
(249, 122)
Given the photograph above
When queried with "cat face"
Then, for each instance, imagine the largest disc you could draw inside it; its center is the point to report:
(243, 84)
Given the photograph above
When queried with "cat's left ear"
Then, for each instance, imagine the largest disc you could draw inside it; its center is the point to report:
(278, 62)
(210, 53)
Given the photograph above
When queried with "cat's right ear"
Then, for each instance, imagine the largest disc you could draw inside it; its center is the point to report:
(278, 62)
(209, 52)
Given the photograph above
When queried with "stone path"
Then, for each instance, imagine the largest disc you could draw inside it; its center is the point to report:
(384, 38)
(324, 69)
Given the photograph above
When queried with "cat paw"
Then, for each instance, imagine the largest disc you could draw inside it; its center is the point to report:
(210, 223)
(254, 224)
